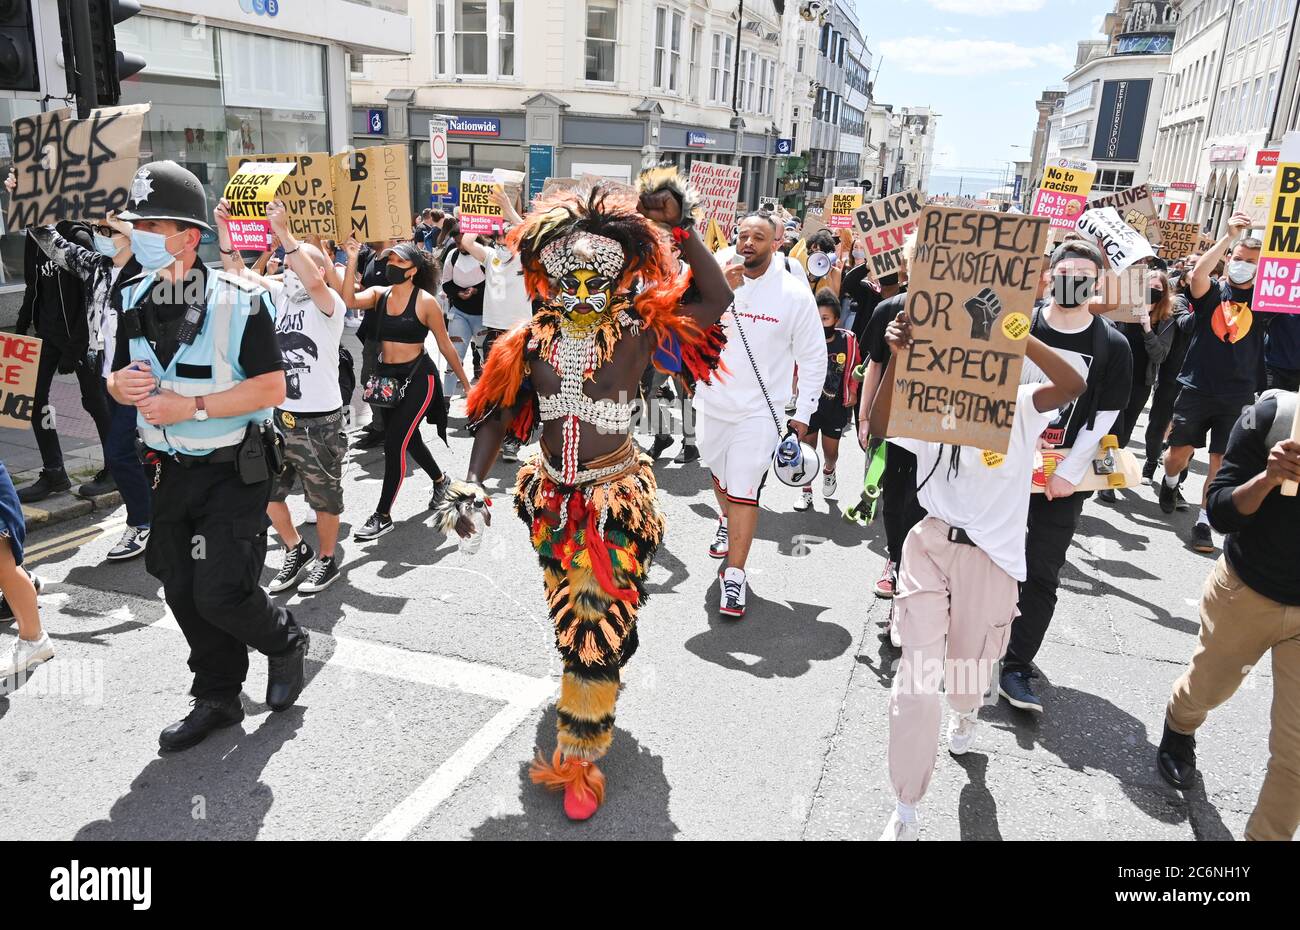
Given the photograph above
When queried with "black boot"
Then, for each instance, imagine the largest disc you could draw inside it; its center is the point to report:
(1176, 759)
(287, 675)
(103, 483)
(207, 716)
(50, 482)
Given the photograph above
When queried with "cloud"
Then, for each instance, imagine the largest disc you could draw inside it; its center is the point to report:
(988, 7)
(964, 57)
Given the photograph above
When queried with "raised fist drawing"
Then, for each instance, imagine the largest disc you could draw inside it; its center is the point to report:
(983, 308)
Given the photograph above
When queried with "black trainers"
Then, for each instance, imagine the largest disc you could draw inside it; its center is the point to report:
(50, 482)
(324, 572)
(1168, 497)
(440, 489)
(7, 612)
(1017, 687)
(297, 562)
(1176, 759)
(104, 483)
(510, 449)
(688, 454)
(1180, 502)
(206, 717)
(1202, 538)
(370, 439)
(375, 527)
(660, 445)
(286, 675)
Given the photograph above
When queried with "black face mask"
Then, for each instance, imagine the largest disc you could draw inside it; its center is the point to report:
(396, 275)
(1154, 296)
(829, 331)
(1070, 291)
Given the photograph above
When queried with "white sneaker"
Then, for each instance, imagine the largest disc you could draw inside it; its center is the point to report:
(733, 593)
(131, 544)
(900, 830)
(805, 500)
(830, 484)
(24, 656)
(961, 732)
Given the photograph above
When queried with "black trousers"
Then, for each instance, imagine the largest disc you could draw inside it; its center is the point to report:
(93, 400)
(1162, 413)
(1283, 379)
(1128, 418)
(1051, 527)
(900, 508)
(207, 547)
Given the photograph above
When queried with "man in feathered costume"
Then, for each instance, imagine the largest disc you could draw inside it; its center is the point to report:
(602, 266)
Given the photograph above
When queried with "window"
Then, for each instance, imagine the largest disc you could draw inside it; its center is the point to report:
(1270, 99)
(506, 37)
(668, 48)
(602, 39)
(751, 82)
(720, 79)
(799, 68)
(824, 45)
(675, 58)
(743, 76)
(472, 37)
(1257, 106)
(769, 79)
(440, 38)
(697, 48)
(480, 42)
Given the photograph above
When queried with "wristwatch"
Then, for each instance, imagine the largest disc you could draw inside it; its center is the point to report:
(200, 410)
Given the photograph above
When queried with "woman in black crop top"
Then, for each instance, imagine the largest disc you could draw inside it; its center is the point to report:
(401, 334)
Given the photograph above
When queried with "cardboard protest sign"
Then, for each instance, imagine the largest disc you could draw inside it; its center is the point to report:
(74, 169)
(1063, 195)
(1277, 289)
(372, 193)
(478, 214)
(1122, 244)
(1255, 198)
(814, 219)
(19, 359)
(1178, 240)
(718, 187)
(307, 194)
(1137, 208)
(971, 293)
(843, 203)
(770, 204)
(885, 223)
(249, 191)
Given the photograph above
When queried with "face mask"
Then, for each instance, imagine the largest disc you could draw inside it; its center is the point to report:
(1154, 296)
(151, 250)
(1241, 273)
(396, 275)
(105, 245)
(1069, 291)
(859, 255)
(829, 331)
(294, 290)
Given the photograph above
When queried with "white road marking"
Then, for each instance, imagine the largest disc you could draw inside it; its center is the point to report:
(74, 540)
(522, 695)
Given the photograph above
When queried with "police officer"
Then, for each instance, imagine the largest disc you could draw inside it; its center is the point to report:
(197, 356)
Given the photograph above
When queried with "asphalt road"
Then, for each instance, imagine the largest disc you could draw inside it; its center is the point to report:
(432, 675)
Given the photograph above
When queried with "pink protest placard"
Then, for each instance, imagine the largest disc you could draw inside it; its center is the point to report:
(250, 235)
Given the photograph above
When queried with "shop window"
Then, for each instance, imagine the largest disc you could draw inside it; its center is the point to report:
(602, 39)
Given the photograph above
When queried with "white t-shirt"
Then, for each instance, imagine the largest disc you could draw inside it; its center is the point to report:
(989, 495)
(465, 270)
(505, 299)
(309, 343)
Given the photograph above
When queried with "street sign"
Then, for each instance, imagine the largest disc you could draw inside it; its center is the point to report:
(1177, 211)
(438, 154)
(785, 146)
(376, 122)
(541, 165)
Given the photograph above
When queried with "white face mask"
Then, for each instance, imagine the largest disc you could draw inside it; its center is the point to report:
(1241, 273)
(294, 290)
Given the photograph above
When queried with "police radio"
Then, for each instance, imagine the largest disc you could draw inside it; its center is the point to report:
(192, 324)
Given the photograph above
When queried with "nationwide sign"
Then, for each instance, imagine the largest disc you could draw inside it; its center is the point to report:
(476, 126)
(700, 140)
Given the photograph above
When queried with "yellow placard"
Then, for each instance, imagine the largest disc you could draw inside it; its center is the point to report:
(844, 202)
(248, 192)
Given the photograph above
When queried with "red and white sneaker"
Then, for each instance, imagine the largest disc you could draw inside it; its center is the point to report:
(721, 547)
(733, 594)
(885, 586)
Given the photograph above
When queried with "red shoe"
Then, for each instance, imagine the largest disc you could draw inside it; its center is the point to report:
(583, 784)
(885, 586)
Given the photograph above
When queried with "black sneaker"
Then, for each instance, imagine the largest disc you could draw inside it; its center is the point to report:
(1017, 687)
(1202, 538)
(324, 572)
(206, 717)
(104, 483)
(297, 562)
(660, 444)
(1176, 759)
(50, 482)
(688, 454)
(1168, 497)
(375, 527)
(286, 675)
(7, 612)
(1180, 502)
(1108, 496)
(440, 489)
(1149, 472)
(510, 449)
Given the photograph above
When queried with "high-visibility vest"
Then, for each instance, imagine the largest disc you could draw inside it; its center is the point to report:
(210, 364)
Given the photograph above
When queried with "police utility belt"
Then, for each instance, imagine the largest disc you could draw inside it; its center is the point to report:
(257, 458)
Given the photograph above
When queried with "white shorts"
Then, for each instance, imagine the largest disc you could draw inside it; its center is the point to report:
(738, 453)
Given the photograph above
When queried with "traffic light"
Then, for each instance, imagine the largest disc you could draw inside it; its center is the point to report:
(90, 42)
(17, 47)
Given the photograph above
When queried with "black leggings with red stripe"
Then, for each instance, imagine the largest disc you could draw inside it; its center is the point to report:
(402, 433)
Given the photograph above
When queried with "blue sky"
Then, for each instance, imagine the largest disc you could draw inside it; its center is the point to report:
(981, 64)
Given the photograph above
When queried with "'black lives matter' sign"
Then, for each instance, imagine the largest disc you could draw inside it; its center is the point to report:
(74, 169)
(971, 293)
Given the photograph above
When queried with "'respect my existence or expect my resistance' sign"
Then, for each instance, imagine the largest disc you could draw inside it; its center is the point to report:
(971, 293)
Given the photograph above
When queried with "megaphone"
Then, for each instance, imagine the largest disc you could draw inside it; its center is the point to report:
(819, 264)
